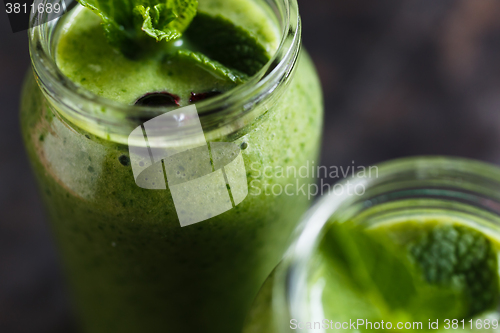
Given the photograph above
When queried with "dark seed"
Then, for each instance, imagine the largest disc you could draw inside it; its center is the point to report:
(196, 97)
(124, 160)
(244, 146)
(158, 99)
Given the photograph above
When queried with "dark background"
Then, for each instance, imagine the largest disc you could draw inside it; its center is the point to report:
(400, 78)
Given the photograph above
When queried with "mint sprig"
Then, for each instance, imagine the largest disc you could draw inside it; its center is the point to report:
(127, 22)
(383, 280)
(158, 16)
(209, 65)
(461, 257)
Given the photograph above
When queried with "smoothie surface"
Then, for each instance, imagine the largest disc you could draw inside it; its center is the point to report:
(84, 55)
(409, 270)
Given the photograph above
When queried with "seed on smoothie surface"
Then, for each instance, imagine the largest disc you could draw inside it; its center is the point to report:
(196, 97)
(158, 99)
(124, 160)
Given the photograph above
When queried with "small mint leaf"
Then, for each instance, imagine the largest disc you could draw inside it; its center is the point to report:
(185, 11)
(156, 22)
(461, 257)
(210, 65)
(374, 269)
(384, 278)
(221, 40)
(126, 23)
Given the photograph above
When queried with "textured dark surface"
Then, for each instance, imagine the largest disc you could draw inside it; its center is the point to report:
(400, 78)
(32, 298)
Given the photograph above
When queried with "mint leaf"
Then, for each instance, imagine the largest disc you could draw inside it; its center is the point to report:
(158, 16)
(223, 41)
(461, 257)
(383, 278)
(126, 23)
(210, 65)
(185, 11)
(371, 266)
(167, 20)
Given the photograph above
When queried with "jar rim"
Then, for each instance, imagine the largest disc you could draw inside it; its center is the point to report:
(214, 113)
(310, 230)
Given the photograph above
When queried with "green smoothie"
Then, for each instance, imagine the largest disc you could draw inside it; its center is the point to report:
(422, 270)
(131, 266)
(418, 274)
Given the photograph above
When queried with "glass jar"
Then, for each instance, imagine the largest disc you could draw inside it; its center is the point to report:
(419, 188)
(131, 265)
